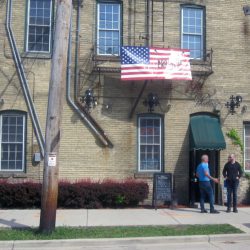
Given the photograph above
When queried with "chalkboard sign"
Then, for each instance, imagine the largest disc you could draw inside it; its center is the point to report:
(162, 187)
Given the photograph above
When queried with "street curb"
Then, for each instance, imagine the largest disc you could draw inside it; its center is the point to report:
(33, 244)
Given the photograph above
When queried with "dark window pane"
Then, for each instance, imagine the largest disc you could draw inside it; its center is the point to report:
(4, 165)
(5, 120)
(45, 47)
(4, 147)
(46, 21)
(149, 122)
(4, 155)
(19, 138)
(40, 4)
(46, 31)
(32, 38)
(143, 139)
(19, 147)
(19, 156)
(32, 4)
(157, 139)
(12, 129)
(150, 139)
(38, 46)
(12, 165)
(47, 4)
(247, 130)
(12, 137)
(40, 12)
(5, 129)
(18, 165)
(12, 120)
(5, 138)
(46, 39)
(32, 12)
(32, 20)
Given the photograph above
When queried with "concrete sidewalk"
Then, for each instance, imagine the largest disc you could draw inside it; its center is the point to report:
(127, 217)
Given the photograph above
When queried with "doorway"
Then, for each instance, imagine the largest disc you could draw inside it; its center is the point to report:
(194, 161)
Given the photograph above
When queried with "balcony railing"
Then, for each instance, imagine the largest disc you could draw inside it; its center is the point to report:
(109, 64)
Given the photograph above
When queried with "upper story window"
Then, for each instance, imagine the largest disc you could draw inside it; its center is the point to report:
(192, 30)
(108, 28)
(150, 146)
(12, 140)
(247, 146)
(39, 26)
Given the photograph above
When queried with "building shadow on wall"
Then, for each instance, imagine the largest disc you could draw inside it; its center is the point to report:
(119, 98)
(181, 173)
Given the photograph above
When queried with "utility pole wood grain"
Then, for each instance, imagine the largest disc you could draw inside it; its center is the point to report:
(54, 113)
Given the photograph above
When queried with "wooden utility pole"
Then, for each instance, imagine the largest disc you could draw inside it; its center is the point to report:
(54, 112)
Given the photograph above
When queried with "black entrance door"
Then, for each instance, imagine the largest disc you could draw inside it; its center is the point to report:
(195, 159)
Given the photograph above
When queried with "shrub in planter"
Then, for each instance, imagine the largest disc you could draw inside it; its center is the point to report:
(20, 195)
(80, 194)
(109, 193)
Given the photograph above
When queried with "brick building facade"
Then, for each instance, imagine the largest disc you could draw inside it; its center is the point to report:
(105, 143)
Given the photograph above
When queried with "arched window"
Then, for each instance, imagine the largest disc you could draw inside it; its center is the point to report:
(150, 143)
(12, 138)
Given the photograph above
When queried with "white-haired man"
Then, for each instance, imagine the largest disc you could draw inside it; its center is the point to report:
(205, 186)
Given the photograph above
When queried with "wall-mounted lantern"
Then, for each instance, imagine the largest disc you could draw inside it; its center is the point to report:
(151, 101)
(234, 102)
(89, 100)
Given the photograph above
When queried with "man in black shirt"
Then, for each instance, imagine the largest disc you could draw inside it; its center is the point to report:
(232, 172)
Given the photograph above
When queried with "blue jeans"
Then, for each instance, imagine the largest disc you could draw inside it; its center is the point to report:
(206, 189)
(232, 186)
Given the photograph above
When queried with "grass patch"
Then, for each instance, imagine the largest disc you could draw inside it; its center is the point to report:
(116, 232)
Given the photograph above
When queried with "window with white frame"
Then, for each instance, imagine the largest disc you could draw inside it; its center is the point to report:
(12, 136)
(247, 146)
(149, 143)
(192, 30)
(108, 28)
(39, 22)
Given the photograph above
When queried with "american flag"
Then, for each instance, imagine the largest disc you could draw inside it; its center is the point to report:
(143, 63)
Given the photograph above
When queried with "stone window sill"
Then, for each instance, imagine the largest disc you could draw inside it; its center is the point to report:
(143, 175)
(13, 175)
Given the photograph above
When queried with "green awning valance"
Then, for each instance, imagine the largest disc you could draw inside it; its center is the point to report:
(206, 133)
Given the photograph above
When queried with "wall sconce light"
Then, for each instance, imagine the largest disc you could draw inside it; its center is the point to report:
(89, 100)
(246, 10)
(151, 101)
(233, 103)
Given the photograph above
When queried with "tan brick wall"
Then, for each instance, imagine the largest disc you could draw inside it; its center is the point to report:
(81, 154)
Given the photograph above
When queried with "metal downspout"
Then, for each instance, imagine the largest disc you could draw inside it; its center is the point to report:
(23, 79)
(84, 115)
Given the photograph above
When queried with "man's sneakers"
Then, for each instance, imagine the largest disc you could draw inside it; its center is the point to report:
(211, 212)
(235, 210)
(204, 211)
(214, 212)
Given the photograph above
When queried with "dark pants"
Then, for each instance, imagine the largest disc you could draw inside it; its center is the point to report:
(206, 189)
(232, 186)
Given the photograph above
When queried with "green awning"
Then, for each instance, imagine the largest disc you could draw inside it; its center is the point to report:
(206, 133)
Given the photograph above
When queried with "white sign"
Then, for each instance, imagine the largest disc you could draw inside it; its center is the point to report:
(52, 160)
